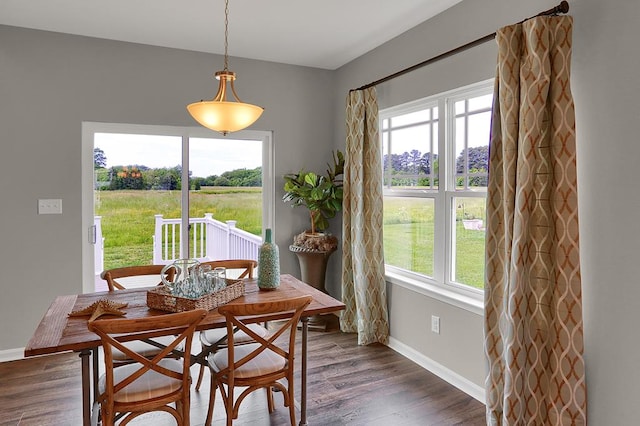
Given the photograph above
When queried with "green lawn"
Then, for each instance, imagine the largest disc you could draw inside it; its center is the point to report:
(409, 223)
(470, 256)
(128, 226)
(128, 217)
(409, 238)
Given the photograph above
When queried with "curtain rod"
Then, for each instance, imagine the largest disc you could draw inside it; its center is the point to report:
(563, 7)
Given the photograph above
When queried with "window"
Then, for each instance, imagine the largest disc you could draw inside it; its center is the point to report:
(135, 205)
(435, 167)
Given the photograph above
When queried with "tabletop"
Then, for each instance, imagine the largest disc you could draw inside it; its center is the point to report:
(57, 332)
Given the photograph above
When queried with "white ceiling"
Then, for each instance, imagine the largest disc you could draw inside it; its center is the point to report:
(320, 33)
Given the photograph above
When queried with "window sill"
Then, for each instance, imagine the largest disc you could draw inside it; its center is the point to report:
(472, 303)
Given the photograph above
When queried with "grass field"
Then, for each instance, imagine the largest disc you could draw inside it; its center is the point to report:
(409, 238)
(128, 226)
(128, 217)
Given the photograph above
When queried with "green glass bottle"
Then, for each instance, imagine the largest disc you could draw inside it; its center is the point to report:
(268, 264)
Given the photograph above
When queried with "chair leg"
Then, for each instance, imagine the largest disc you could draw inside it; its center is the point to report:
(292, 408)
(270, 399)
(186, 411)
(289, 399)
(200, 376)
(229, 408)
(212, 399)
(205, 351)
(107, 420)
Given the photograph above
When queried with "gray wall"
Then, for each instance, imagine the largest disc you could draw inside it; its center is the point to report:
(78, 79)
(605, 69)
(50, 83)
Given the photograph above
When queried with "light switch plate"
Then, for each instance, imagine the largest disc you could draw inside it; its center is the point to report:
(50, 206)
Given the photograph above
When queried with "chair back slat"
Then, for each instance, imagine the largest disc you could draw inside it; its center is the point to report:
(246, 267)
(111, 276)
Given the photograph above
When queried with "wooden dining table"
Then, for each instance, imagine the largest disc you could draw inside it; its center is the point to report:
(57, 332)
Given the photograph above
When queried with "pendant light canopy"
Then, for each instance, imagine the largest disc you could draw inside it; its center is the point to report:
(222, 114)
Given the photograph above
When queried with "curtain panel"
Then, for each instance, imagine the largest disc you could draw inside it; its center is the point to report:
(363, 283)
(533, 301)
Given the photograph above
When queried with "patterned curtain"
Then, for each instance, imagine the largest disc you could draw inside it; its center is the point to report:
(363, 285)
(533, 302)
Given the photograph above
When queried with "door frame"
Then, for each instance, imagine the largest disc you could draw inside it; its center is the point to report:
(87, 166)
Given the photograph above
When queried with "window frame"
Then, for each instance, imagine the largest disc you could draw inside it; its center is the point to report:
(89, 129)
(440, 286)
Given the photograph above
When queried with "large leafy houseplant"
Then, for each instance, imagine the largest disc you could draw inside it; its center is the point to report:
(320, 194)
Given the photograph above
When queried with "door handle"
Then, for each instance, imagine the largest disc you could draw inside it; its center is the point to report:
(92, 234)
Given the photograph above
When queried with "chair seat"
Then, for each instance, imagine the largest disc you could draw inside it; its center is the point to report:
(265, 363)
(216, 336)
(143, 348)
(150, 385)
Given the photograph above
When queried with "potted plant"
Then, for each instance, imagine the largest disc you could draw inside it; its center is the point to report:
(322, 196)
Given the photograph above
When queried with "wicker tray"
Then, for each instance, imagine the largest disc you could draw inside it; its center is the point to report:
(160, 298)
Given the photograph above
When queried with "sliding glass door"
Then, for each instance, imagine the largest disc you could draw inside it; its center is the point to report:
(152, 194)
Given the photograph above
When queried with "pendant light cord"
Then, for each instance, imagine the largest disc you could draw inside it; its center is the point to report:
(221, 114)
(226, 35)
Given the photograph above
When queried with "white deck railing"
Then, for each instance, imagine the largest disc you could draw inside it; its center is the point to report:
(210, 239)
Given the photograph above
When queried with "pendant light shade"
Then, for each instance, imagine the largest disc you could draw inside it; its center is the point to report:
(221, 113)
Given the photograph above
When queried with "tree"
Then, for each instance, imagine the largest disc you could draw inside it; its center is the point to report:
(243, 177)
(165, 178)
(478, 158)
(126, 177)
(221, 181)
(99, 159)
(145, 178)
(410, 168)
(477, 163)
(425, 163)
(196, 183)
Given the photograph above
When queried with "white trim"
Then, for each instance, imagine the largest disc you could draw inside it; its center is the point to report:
(441, 284)
(449, 376)
(268, 179)
(184, 200)
(459, 297)
(11, 354)
(86, 180)
(90, 128)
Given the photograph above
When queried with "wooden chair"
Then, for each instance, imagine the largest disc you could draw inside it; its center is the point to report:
(216, 338)
(111, 276)
(151, 274)
(147, 384)
(240, 268)
(259, 365)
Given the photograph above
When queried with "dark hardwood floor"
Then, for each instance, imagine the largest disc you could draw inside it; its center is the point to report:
(348, 385)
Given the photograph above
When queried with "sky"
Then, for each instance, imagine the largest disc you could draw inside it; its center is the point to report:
(206, 156)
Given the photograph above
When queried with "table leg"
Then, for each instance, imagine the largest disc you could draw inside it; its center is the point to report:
(86, 387)
(303, 373)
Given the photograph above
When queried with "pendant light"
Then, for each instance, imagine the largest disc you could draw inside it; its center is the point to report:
(222, 114)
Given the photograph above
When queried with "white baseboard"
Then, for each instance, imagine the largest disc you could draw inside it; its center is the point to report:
(465, 385)
(11, 354)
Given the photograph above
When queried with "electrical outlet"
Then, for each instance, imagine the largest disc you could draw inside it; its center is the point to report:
(435, 324)
(50, 206)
